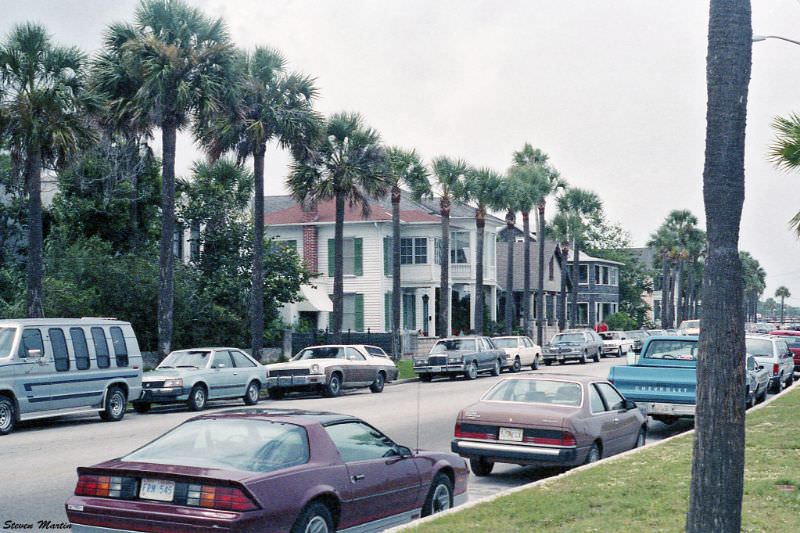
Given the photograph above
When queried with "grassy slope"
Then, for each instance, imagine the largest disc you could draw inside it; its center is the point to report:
(649, 491)
(404, 367)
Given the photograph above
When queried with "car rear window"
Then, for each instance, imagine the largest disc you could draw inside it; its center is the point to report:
(452, 345)
(536, 391)
(228, 444)
(507, 342)
(376, 352)
(672, 349)
(567, 337)
(759, 347)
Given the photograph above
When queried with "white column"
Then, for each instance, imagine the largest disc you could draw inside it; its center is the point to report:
(473, 297)
(493, 303)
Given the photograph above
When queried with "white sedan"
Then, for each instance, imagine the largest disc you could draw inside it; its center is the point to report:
(521, 350)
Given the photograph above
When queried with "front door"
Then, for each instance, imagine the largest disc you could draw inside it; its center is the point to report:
(625, 423)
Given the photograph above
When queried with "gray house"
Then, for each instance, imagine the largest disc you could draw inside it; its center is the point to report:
(598, 289)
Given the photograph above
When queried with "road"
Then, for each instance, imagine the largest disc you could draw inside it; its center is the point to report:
(39, 458)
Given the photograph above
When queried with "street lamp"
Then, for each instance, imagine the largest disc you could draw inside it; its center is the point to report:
(759, 38)
(425, 299)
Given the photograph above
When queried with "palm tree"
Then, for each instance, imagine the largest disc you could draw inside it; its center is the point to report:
(785, 151)
(404, 167)
(754, 283)
(515, 195)
(482, 188)
(171, 64)
(715, 501)
(347, 164)
(561, 230)
(682, 225)
(43, 104)
(448, 175)
(268, 103)
(782, 293)
(581, 207)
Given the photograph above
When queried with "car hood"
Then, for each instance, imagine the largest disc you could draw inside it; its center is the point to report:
(533, 414)
(451, 353)
(306, 363)
(168, 373)
(612, 341)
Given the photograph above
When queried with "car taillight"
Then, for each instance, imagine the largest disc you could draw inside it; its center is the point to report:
(459, 433)
(221, 498)
(775, 369)
(105, 486)
(566, 439)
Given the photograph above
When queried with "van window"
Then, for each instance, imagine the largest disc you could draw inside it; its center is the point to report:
(100, 348)
(60, 353)
(6, 340)
(80, 348)
(31, 340)
(120, 348)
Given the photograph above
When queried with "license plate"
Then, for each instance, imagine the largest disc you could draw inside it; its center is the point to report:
(436, 369)
(513, 434)
(285, 381)
(157, 489)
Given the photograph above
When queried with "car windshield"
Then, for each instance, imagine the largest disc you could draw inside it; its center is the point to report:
(609, 335)
(759, 347)
(536, 391)
(505, 342)
(672, 349)
(452, 345)
(186, 359)
(324, 352)
(567, 337)
(656, 332)
(690, 324)
(229, 444)
(6, 340)
(635, 334)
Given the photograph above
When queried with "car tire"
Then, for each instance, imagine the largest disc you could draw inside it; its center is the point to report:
(426, 378)
(481, 467)
(496, 368)
(276, 393)
(775, 386)
(548, 362)
(315, 517)
(472, 371)
(8, 415)
(142, 407)
(377, 385)
(641, 438)
(535, 364)
(333, 387)
(597, 356)
(252, 393)
(790, 380)
(198, 398)
(583, 358)
(115, 405)
(762, 396)
(594, 455)
(517, 365)
(619, 352)
(440, 495)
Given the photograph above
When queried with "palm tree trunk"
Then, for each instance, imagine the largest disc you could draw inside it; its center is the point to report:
(509, 315)
(562, 305)
(691, 295)
(166, 258)
(781, 310)
(443, 311)
(526, 278)
(338, 269)
(257, 294)
(480, 225)
(35, 260)
(679, 293)
(576, 279)
(715, 501)
(665, 323)
(396, 273)
(540, 285)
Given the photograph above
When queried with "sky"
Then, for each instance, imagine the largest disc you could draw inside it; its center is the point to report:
(613, 91)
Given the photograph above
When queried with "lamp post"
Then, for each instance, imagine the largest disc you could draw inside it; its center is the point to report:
(426, 319)
(759, 38)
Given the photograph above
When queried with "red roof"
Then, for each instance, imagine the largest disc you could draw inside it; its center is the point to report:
(326, 212)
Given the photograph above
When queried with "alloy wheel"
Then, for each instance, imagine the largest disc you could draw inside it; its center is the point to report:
(252, 392)
(441, 499)
(317, 525)
(6, 416)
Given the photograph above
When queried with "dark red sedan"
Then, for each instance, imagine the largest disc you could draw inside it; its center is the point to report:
(792, 338)
(266, 470)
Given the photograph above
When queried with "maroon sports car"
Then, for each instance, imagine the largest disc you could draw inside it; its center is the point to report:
(548, 420)
(266, 470)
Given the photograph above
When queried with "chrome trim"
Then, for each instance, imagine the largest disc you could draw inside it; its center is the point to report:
(384, 523)
(514, 443)
(509, 447)
(659, 408)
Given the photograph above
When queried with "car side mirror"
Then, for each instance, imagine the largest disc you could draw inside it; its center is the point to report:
(404, 451)
(220, 365)
(33, 353)
(628, 405)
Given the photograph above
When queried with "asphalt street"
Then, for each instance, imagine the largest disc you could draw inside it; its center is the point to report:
(39, 458)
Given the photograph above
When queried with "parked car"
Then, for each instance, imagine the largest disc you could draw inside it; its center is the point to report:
(467, 356)
(773, 353)
(547, 421)
(573, 345)
(329, 369)
(616, 343)
(657, 332)
(759, 381)
(198, 375)
(792, 339)
(638, 336)
(61, 366)
(521, 351)
(689, 327)
(266, 470)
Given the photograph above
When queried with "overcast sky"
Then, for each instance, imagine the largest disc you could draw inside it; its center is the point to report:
(614, 91)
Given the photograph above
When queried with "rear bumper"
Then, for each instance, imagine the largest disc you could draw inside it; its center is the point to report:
(518, 453)
(288, 382)
(666, 409)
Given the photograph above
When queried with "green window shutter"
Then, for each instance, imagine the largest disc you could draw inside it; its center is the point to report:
(387, 311)
(387, 256)
(358, 268)
(359, 311)
(331, 253)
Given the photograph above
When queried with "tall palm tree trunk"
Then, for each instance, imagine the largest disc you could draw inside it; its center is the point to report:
(540, 284)
(781, 310)
(576, 279)
(509, 315)
(257, 294)
(562, 304)
(338, 269)
(166, 259)
(396, 273)
(480, 225)
(34, 267)
(443, 311)
(665, 298)
(679, 294)
(691, 294)
(526, 279)
(715, 501)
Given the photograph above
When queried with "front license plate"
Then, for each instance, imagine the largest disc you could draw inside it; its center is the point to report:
(436, 369)
(513, 434)
(285, 381)
(157, 489)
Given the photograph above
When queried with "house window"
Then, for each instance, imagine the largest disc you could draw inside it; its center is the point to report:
(420, 250)
(194, 241)
(614, 276)
(583, 313)
(489, 247)
(413, 251)
(459, 247)
(605, 276)
(349, 312)
(597, 277)
(583, 274)
(352, 256)
(177, 242)
(409, 311)
(348, 257)
(550, 270)
(437, 251)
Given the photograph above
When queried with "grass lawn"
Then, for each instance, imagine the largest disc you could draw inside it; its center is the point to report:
(649, 491)
(405, 369)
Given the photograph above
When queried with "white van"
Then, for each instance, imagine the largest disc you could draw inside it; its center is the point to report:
(60, 366)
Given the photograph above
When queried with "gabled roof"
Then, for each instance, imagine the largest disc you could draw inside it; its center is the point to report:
(550, 250)
(586, 258)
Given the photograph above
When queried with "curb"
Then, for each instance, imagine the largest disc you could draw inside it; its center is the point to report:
(553, 479)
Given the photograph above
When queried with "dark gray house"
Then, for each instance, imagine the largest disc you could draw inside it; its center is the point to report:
(598, 289)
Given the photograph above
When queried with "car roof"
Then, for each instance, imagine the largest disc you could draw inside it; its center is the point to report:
(61, 321)
(208, 349)
(785, 333)
(673, 337)
(300, 417)
(577, 378)
(463, 337)
(509, 336)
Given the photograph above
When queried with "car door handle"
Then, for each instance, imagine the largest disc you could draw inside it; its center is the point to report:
(616, 420)
(356, 478)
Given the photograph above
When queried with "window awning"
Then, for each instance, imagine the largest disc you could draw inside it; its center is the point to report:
(314, 299)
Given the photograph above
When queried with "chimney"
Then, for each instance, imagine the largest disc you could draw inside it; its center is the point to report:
(310, 240)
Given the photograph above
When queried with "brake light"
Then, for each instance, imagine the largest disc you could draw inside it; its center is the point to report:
(461, 434)
(775, 369)
(566, 439)
(221, 498)
(105, 486)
